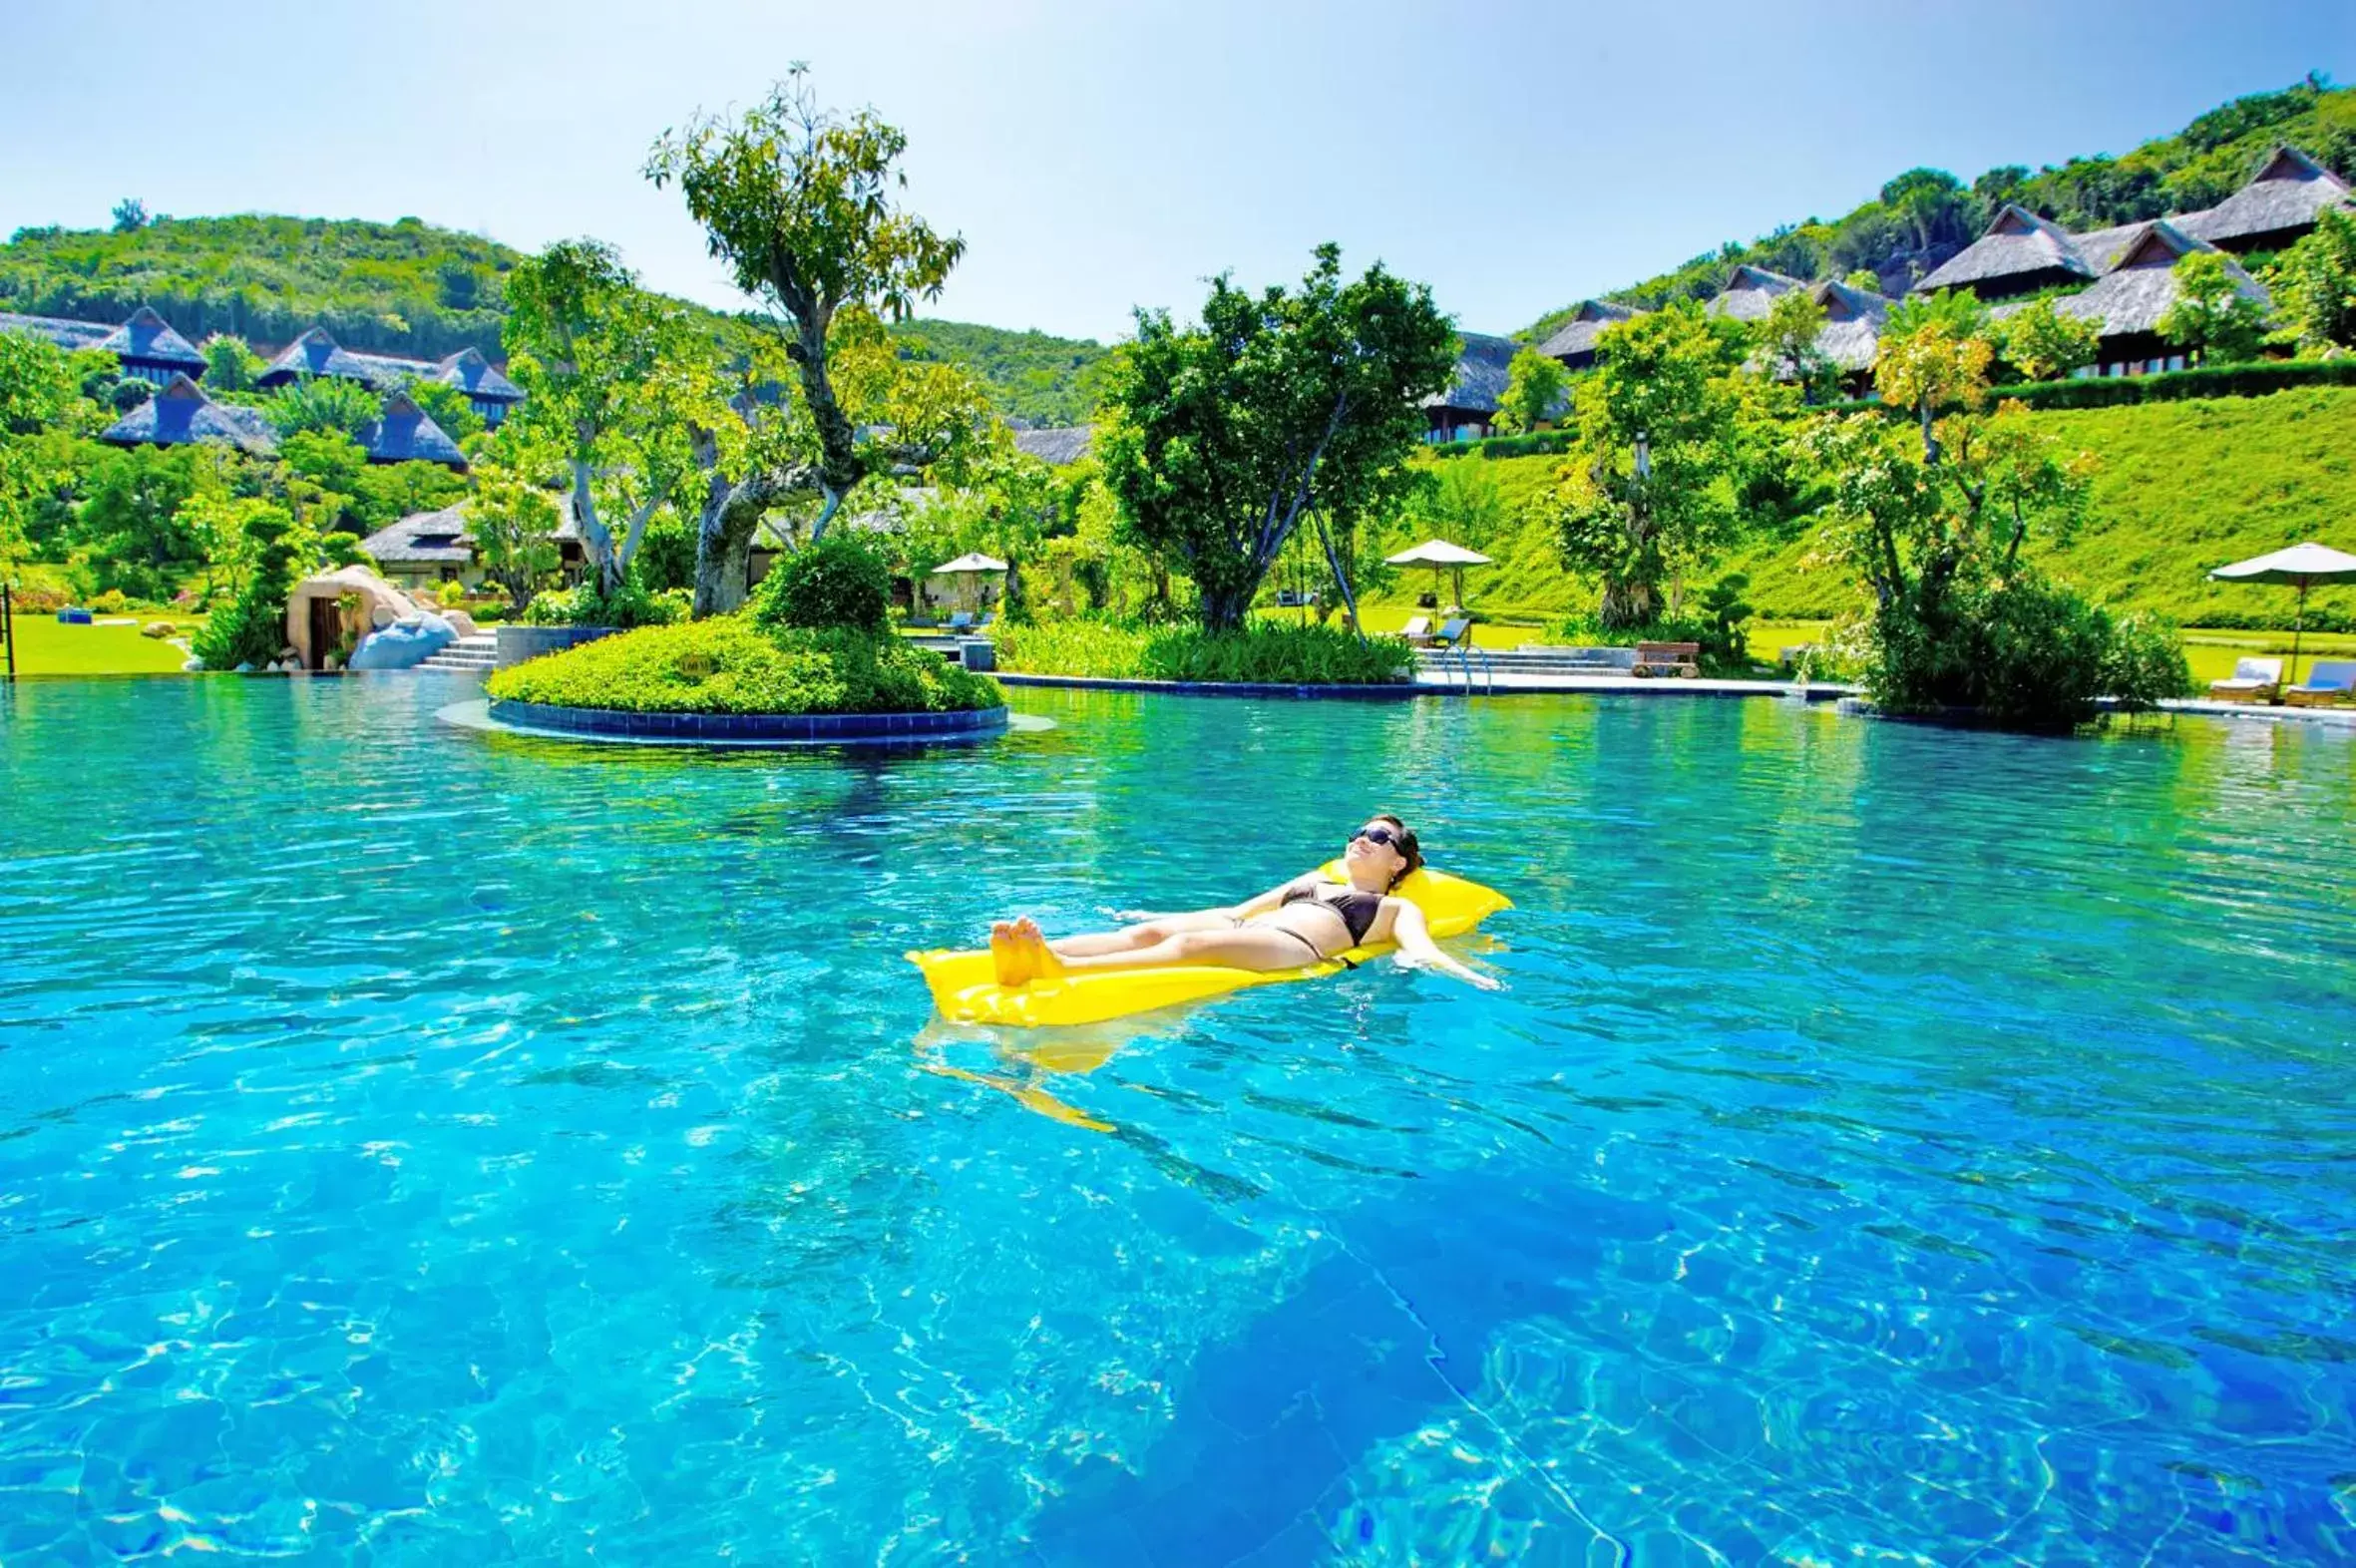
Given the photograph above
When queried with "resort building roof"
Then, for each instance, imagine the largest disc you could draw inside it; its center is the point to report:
(181, 414)
(2288, 192)
(1750, 293)
(1483, 364)
(68, 336)
(147, 340)
(2020, 252)
(1853, 320)
(470, 372)
(1058, 445)
(314, 353)
(2142, 284)
(422, 539)
(407, 434)
(1574, 342)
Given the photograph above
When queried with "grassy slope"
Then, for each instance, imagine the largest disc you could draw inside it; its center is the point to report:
(2181, 487)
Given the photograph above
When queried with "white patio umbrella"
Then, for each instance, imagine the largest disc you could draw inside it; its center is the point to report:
(1438, 554)
(2301, 566)
(971, 566)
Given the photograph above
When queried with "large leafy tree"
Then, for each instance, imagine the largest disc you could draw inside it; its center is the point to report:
(1535, 385)
(1650, 488)
(2210, 316)
(1225, 438)
(799, 201)
(2043, 345)
(1934, 352)
(2315, 283)
(614, 379)
(1788, 348)
(37, 387)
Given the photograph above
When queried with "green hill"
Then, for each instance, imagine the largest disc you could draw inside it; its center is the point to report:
(411, 288)
(2181, 487)
(1924, 216)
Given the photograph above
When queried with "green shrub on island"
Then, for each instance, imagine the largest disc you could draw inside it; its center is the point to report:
(2024, 652)
(630, 606)
(728, 665)
(1260, 653)
(840, 581)
(253, 630)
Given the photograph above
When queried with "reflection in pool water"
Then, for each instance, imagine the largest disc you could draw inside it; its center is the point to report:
(452, 1147)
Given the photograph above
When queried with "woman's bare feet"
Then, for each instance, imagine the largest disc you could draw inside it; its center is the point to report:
(1007, 954)
(1040, 960)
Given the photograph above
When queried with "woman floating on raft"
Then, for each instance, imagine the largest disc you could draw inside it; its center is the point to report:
(1306, 921)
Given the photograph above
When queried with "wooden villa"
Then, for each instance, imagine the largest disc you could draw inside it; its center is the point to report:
(487, 389)
(1573, 342)
(2129, 300)
(2019, 254)
(1468, 408)
(182, 415)
(148, 348)
(72, 336)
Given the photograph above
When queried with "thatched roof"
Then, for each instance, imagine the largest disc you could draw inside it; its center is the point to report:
(477, 377)
(2289, 191)
(407, 434)
(181, 414)
(1574, 342)
(2019, 251)
(148, 339)
(1750, 293)
(316, 355)
(390, 372)
(2101, 249)
(422, 539)
(1481, 368)
(1058, 446)
(2142, 285)
(68, 336)
(1853, 320)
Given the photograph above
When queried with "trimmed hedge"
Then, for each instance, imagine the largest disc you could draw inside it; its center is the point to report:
(1270, 655)
(1543, 443)
(2257, 378)
(725, 665)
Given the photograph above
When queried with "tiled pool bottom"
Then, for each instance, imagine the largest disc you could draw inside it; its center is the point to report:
(1894, 1144)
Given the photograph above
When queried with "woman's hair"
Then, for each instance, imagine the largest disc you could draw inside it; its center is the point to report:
(1407, 846)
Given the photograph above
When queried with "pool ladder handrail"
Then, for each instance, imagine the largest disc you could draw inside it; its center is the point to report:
(1465, 651)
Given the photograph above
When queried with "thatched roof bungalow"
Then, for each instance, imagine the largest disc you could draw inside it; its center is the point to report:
(1750, 293)
(181, 414)
(1851, 335)
(407, 434)
(1574, 342)
(2278, 205)
(2019, 253)
(485, 386)
(1468, 407)
(68, 336)
(316, 354)
(424, 547)
(1058, 446)
(2128, 301)
(150, 350)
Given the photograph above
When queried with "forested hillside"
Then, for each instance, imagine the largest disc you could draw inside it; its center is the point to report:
(2179, 487)
(1924, 216)
(409, 289)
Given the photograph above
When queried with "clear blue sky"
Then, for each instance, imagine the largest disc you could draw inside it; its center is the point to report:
(1100, 156)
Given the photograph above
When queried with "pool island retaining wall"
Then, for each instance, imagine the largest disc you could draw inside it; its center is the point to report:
(742, 728)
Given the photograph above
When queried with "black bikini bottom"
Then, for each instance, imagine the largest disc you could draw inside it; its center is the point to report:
(1316, 952)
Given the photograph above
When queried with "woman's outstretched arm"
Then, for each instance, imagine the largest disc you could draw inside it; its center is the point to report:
(1418, 951)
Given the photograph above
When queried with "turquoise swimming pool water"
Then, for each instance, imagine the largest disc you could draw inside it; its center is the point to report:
(426, 1147)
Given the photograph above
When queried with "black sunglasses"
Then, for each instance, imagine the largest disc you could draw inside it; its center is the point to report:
(1377, 835)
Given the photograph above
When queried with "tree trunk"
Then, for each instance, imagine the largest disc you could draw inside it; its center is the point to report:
(1224, 609)
(1625, 603)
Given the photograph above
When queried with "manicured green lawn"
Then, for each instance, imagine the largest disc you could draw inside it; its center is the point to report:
(45, 647)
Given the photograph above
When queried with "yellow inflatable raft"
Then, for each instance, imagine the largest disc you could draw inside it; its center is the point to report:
(964, 986)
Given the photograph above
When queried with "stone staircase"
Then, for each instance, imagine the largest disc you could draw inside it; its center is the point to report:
(479, 653)
(1532, 661)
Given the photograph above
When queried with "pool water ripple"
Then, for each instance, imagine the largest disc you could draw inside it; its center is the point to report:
(426, 1146)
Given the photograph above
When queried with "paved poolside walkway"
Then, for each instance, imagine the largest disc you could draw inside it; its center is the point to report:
(1429, 684)
(2329, 718)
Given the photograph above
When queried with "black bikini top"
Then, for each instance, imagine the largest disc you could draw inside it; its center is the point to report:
(1356, 908)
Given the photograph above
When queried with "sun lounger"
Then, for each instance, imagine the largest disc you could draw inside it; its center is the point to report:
(2252, 680)
(1452, 634)
(2332, 684)
(1665, 659)
(1418, 631)
(963, 621)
